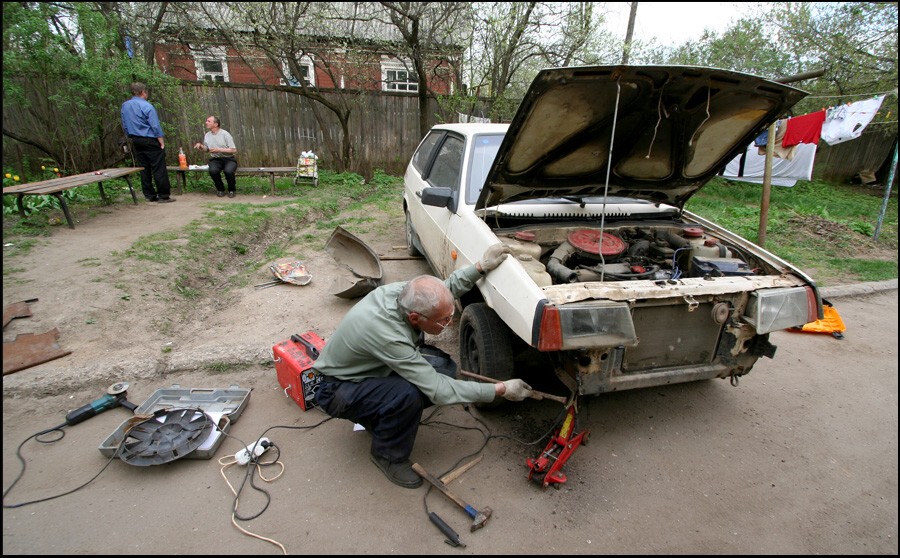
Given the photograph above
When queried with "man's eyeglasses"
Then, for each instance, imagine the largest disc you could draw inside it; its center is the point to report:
(440, 323)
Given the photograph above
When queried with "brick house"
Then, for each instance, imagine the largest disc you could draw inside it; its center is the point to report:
(348, 46)
(330, 68)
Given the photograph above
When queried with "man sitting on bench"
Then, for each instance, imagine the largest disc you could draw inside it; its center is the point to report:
(220, 146)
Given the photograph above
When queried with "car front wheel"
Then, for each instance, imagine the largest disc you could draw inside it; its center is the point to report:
(485, 345)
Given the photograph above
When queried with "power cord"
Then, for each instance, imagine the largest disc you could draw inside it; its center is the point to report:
(255, 465)
(62, 435)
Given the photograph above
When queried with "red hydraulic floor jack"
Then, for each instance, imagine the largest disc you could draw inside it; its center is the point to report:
(546, 468)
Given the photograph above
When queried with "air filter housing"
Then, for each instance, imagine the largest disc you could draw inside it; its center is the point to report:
(589, 244)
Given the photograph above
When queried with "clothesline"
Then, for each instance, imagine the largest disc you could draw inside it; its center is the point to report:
(892, 91)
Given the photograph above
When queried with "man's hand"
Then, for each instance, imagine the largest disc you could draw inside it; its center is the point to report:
(516, 390)
(493, 257)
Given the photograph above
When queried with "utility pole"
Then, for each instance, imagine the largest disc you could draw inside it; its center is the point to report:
(629, 33)
(887, 192)
(770, 150)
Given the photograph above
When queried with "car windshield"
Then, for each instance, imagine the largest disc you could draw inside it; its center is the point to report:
(484, 151)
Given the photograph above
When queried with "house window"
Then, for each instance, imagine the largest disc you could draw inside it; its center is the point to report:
(307, 72)
(395, 76)
(211, 65)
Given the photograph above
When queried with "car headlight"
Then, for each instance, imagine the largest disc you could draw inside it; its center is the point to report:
(576, 326)
(775, 309)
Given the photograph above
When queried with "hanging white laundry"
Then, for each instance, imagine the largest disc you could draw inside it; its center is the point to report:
(751, 166)
(847, 122)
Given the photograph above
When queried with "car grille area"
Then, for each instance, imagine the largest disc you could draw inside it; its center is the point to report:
(671, 336)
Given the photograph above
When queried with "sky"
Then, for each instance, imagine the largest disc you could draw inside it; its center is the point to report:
(674, 22)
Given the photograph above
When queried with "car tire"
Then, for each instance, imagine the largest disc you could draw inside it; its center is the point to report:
(412, 240)
(485, 346)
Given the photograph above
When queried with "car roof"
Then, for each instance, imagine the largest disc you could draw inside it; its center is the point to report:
(471, 129)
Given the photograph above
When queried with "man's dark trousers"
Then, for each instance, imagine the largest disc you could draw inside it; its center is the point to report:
(389, 408)
(216, 166)
(153, 158)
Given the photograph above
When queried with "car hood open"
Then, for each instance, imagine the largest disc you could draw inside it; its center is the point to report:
(675, 128)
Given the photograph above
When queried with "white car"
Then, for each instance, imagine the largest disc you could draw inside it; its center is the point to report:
(611, 283)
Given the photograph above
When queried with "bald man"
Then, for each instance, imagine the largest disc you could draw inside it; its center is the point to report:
(374, 374)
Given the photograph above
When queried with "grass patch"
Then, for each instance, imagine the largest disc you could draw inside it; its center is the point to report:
(221, 367)
(866, 270)
(825, 229)
(234, 240)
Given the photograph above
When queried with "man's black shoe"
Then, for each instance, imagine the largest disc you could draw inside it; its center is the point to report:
(165, 200)
(400, 474)
(220, 193)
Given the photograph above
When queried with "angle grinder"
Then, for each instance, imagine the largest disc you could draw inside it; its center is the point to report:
(115, 397)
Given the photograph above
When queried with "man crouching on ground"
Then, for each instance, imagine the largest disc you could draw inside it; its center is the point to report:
(374, 374)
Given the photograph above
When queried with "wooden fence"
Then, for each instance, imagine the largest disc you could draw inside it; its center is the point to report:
(841, 162)
(272, 128)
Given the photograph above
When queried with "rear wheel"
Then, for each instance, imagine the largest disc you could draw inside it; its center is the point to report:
(485, 346)
(411, 238)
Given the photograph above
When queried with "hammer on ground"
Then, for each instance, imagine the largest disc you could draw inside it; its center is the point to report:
(479, 518)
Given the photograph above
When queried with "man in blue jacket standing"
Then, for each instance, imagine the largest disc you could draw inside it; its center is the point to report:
(141, 124)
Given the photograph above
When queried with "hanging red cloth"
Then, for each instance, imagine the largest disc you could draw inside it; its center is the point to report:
(804, 129)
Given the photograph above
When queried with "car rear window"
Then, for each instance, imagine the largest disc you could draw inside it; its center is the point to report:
(484, 151)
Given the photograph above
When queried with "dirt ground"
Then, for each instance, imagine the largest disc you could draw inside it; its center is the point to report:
(801, 457)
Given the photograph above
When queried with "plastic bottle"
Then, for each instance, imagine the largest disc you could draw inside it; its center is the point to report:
(182, 159)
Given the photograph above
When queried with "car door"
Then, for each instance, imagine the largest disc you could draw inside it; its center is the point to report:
(444, 171)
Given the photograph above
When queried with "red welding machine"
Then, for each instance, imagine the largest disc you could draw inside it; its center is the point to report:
(294, 360)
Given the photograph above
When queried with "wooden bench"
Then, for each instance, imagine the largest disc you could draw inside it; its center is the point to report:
(57, 186)
(181, 174)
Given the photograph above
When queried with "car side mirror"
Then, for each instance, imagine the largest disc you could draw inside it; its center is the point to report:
(437, 196)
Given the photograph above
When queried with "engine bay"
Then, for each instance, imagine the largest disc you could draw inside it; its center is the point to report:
(555, 255)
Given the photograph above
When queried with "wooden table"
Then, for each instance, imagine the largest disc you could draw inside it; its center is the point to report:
(57, 186)
(181, 174)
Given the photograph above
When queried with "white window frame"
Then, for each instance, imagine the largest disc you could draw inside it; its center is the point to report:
(306, 62)
(394, 65)
(216, 54)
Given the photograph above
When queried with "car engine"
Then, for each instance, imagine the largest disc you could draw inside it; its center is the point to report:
(559, 255)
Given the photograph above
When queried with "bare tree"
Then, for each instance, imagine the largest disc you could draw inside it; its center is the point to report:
(426, 28)
(285, 32)
(626, 50)
(511, 41)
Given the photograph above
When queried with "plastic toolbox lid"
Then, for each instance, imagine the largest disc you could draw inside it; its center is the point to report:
(230, 401)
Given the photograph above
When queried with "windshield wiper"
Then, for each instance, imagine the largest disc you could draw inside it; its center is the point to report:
(577, 199)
